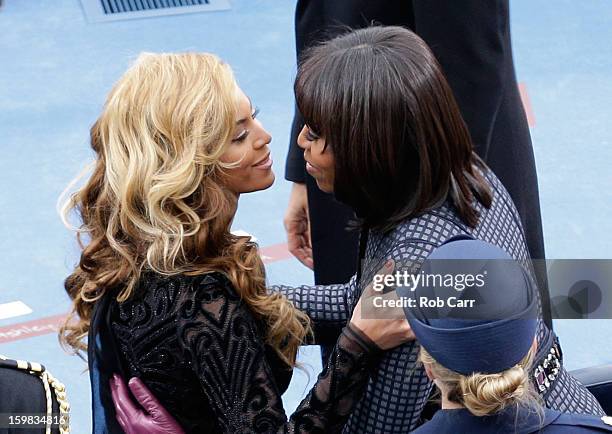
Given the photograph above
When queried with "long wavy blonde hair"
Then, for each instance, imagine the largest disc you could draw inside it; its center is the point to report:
(487, 394)
(156, 199)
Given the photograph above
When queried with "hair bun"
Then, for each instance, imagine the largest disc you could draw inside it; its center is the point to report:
(488, 394)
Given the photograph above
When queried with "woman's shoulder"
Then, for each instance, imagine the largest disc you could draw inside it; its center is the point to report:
(442, 222)
(211, 293)
(151, 282)
(161, 296)
(210, 285)
(502, 208)
(424, 232)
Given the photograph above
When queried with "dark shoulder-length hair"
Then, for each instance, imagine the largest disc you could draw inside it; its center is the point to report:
(379, 98)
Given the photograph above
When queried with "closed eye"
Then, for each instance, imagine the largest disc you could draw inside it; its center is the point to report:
(241, 137)
(310, 136)
(244, 134)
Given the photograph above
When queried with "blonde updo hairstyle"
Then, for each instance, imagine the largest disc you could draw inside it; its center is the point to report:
(487, 394)
(155, 199)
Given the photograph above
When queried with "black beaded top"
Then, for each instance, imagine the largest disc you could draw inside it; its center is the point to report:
(202, 352)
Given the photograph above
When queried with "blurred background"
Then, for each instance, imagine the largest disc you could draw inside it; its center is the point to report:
(57, 65)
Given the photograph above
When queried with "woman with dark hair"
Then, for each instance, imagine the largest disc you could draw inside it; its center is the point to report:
(471, 40)
(384, 134)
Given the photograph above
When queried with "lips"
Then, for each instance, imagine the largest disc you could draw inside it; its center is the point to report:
(309, 165)
(310, 168)
(264, 164)
(263, 161)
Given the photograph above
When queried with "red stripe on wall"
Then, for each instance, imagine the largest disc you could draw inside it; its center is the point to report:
(28, 329)
(275, 252)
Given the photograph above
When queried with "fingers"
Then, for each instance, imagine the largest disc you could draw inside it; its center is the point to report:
(381, 306)
(410, 336)
(159, 415)
(406, 330)
(387, 268)
(122, 423)
(144, 396)
(297, 225)
(307, 259)
(121, 395)
(307, 240)
(305, 253)
(373, 287)
(297, 208)
(298, 241)
(122, 402)
(389, 306)
(308, 233)
(299, 248)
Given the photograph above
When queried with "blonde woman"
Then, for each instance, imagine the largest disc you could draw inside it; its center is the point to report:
(479, 356)
(163, 290)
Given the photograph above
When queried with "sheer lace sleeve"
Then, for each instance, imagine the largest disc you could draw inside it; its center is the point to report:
(328, 306)
(225, 346)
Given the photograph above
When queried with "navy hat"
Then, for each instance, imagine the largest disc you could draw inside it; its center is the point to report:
(483, 323)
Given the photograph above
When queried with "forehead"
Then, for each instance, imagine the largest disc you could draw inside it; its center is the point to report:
(242, 100)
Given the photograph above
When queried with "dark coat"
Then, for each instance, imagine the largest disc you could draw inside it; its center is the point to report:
(471, 40)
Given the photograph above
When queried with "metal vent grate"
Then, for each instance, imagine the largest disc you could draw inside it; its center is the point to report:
(112, 10)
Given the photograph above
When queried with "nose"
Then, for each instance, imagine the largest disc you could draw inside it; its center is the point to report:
(263, 139)
(301, 140)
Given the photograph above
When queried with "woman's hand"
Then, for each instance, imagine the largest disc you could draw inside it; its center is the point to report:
(297, 225)
(386, 326)
(155, 420)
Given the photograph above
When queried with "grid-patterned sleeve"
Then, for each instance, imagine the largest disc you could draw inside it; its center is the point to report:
(399, 388)
(328, 306)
